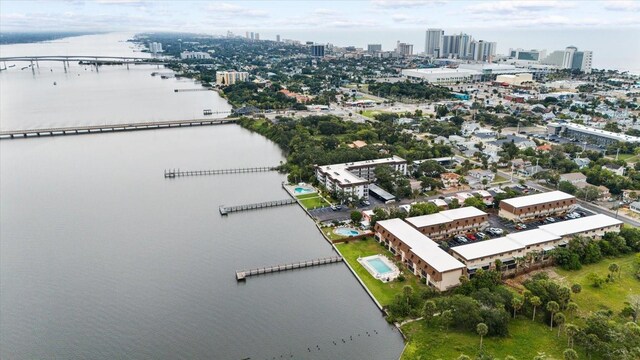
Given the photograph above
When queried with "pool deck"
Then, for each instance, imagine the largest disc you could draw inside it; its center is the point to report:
(386, 277)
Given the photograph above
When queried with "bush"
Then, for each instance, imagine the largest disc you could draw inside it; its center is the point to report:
(596, 280)
(400, 278)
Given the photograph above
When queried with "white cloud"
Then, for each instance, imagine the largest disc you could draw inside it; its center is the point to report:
(399, 4)
(622, 5)
(510, 7)
(236, 10)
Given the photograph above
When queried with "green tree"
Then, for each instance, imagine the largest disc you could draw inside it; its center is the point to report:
(429, 310)
(446, 318)
(572, 308)
(613, 269)
(571, 331)
(576, 288)
(516, 303)
(535, 302)
(482, 330)
(553, 308)
(559, 319)
(570, 354)
(567, 187)
(356, 217)
(475, 202)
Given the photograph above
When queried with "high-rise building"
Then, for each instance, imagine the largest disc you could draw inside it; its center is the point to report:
(483, 50)
(252, 35)
(278, 38)
(230, 77)
(155, 47)
(257, 36)
(530, 55)
(317, 50)
(404, 49)
(577, 60)
(373, 48)
(433, 42)
(246, 34)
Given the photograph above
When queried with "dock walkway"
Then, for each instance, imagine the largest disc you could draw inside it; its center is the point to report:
(225, 210)
(243, 274)
(177, 173)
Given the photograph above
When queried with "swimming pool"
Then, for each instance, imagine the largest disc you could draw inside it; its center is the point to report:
(380, 267)
(346, 232)
(303, 190)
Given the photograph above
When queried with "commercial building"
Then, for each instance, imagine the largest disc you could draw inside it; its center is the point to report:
(420, 254)
(515, 79)
(374, 48)
(577, 60)
(317, 50)
(507, 249)
(527, 55)
(433, 43)
(230, 77)
(441, 75)
(448, 223)
(589, 134)
(353, 178)
(194, 55)
(538, 205)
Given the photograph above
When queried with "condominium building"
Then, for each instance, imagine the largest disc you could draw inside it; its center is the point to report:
(448, 223)
(374, 48)
(317, 50)
(231, 77)
(353, 178)
(434, 42)
(577, 60)
(483, 50)
(404, 49)
(509, 248)
(589, 134)
(420, 254)
(155, 47)
(538, 205)
(456, 46)
(194, 55)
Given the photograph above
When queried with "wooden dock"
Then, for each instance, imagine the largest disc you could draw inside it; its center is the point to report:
(243, 274)
(177, 173)
(225, 210)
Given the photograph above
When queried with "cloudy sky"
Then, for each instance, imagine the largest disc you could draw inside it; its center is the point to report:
(219, 16)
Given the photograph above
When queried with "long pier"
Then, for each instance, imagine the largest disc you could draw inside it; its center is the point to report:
(225, 210)
(177, 173)
(243, 274)
(188, 90)
(97, 129)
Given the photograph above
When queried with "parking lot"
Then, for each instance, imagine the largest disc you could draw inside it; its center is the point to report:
(508, 227)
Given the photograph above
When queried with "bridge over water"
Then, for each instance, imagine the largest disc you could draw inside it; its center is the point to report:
(89, 59)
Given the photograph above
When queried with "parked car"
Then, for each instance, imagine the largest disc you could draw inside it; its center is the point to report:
(334, 208)
(481, 235)
(471, 237)
(550, 220)
(461, 239)
(521, 226)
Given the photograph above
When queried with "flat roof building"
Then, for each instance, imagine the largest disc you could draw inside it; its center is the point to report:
(586, 133)
(592, 226)
(449, 222)
(420, 254)
(354, 178)
(441, 75)
(538, 205)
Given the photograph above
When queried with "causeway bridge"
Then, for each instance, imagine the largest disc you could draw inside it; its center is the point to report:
(94, 60)
(106, 128)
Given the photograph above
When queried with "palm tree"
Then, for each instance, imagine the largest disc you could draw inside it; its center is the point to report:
(559, 318)
(576, 288)
(428, 309)
(570, 354)
(553, 308)
(572, 331)
(572, 307)
(535, 302)
(482, 329)
(407, 291)
(516, 303)
(614, 268)
(446, 317)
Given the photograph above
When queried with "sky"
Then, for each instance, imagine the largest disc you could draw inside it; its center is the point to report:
(240, 16)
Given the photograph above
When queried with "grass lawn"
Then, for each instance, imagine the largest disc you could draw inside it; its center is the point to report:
(630, 158)
(383, 292)
(313, 202)
(526, 339)
(371, 113)
(499, 179)
(307, 196)
(610, 295)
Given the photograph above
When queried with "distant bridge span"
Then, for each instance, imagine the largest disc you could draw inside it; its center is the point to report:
(80, 58)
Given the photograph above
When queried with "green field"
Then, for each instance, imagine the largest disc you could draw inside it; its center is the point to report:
(610, 295)
(314, 202)
(526, 339)
(630, 158)
(499, 179)
(383, 292)
(371, 113)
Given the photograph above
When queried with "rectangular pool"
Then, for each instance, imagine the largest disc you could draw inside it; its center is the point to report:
(380, 266)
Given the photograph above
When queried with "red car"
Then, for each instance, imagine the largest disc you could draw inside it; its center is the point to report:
(471, 237)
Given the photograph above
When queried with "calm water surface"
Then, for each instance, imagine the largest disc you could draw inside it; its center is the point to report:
(103, 258)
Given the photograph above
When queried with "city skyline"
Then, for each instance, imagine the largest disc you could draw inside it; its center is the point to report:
(125, 15)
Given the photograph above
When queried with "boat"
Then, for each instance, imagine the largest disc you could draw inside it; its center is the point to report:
(55, 83)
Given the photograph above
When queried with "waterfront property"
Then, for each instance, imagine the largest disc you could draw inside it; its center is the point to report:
(448, 223)
(420, 254)
(538, 205)
(380, 267)
(353, 178)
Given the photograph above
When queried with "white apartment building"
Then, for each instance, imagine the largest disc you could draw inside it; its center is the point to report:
(441, 75)
(353, 178)
(194, 55)
(230, 77)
